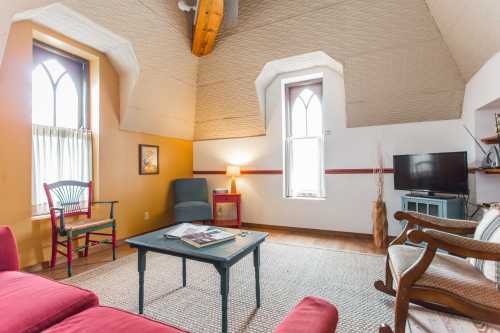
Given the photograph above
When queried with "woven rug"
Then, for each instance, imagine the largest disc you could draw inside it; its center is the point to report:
(288, 273)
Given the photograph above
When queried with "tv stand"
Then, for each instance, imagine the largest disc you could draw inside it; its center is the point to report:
(439, 205)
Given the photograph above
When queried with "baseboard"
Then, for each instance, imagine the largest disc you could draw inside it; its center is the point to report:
(312, 231)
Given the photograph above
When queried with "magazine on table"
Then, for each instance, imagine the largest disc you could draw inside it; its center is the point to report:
(184, 229)
(199, 235)
(209, 237)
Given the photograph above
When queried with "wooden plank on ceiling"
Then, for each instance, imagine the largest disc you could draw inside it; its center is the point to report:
(208, 22)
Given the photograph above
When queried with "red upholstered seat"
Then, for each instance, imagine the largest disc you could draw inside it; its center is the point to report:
(108, 320)
(312, 314)
(9, 261)
(29, 303)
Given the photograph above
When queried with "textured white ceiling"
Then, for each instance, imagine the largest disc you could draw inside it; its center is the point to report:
(470, 28)
(164, 94)
(160, 89)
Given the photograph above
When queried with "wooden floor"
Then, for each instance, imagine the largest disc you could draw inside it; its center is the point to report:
(420, 320)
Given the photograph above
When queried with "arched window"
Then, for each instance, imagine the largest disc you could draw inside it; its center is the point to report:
(62, 143)
(304, 169)
(59, 88)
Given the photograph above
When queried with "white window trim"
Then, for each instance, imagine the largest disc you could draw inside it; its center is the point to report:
(286, 85)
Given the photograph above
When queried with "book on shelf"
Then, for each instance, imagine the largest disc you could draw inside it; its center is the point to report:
(209, 237)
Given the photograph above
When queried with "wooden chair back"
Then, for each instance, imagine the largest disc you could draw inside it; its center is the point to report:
(69, 197)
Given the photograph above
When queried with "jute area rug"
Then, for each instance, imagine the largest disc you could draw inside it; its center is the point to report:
(288, 273)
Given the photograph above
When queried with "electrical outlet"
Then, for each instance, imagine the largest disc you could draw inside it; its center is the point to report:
(219, 210)
(146, 216)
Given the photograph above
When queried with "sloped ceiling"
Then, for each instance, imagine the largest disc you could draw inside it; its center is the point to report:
(400, 64)
(397, 67)
(162, 100)
(470, 28)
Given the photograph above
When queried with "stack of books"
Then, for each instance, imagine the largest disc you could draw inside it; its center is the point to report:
(199, 236)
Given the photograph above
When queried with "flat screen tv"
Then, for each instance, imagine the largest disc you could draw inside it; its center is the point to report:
(437, 172)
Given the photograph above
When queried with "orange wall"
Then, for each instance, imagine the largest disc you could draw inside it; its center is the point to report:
(117, 162)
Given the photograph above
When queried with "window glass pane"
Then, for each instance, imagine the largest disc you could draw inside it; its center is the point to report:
(67, 103)
(314, 123)
(304, 173)
(55, 69)
(42, 98)
(306, 168)
(298, 118)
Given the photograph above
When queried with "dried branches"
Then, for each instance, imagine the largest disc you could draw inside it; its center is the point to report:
(379, 174)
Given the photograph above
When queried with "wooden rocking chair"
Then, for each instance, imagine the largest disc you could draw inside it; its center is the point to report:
(71, 202)
(435, 280)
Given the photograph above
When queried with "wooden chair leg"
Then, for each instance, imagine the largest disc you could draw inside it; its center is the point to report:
(388, 286)
(113, 241)
(53, 257)
(87, 241)
(69, 247)
(401, 310)
(384, 329)
(389, 280)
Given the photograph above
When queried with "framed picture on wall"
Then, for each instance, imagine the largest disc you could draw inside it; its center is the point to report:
(149, 160)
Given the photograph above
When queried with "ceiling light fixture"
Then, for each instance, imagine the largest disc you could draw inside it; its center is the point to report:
(185, 7)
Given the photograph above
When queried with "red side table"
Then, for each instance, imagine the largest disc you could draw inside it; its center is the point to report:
(227, 197)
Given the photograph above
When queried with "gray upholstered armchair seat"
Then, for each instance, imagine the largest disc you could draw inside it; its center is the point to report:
(192, 211)
(191, 200)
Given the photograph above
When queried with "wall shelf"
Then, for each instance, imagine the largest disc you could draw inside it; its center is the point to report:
(495, 171)
(490, 140)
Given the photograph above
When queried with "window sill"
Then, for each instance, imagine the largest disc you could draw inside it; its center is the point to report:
(306, 198)
(38, 218)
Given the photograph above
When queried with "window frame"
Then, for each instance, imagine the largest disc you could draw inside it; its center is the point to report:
(83, 93)
(288, 141)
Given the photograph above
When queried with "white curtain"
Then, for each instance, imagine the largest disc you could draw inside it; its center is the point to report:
(59, 154)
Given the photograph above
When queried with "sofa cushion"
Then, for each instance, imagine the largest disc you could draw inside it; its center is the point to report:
(313, 315)
(30, 303)
(488, 230)
(106, 320)
(9, 261)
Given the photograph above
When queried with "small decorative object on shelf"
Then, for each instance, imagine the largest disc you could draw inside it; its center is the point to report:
(233, 171)
(379, 210)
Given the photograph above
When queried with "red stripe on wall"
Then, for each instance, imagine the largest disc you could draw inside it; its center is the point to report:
(279, 172)
(360, 171)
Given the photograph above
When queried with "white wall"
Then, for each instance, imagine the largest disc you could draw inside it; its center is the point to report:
(348, 204)
(481, 102)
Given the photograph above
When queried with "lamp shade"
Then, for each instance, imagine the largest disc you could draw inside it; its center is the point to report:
(233, 170)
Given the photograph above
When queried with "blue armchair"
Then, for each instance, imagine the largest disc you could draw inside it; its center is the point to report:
(191, 200)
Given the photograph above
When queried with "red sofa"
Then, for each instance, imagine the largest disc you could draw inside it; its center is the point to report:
(29, 303)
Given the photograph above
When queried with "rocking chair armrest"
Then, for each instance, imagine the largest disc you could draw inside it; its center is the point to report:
(457, 245)
(455, 226)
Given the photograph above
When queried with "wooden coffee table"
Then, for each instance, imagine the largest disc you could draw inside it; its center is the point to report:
(222, 256)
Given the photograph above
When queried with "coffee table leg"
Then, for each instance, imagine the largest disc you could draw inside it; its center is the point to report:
(224, 291)
(141, 268)
(184, 278)
(256, 264)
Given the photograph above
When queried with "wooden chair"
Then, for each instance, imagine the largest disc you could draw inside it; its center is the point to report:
(74, 199)
(440, 281)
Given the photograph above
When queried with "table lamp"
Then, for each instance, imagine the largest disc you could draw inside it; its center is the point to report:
(233, 171)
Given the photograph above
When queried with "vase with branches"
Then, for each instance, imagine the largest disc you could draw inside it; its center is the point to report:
(379, 210)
